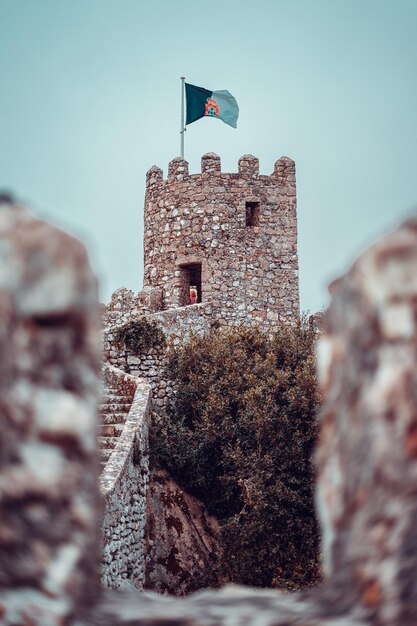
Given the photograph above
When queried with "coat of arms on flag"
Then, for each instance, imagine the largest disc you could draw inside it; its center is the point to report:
(212, 109)
(205, 103)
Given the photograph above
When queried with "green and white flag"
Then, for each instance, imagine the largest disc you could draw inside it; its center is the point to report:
(205, 103)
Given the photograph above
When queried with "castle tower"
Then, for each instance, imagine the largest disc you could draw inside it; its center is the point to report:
(231, 236)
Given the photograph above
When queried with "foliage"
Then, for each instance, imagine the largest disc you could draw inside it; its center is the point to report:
(239, 436)
(140, 335)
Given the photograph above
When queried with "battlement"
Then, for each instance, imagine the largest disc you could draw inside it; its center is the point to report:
(228, 239)
(248, 167)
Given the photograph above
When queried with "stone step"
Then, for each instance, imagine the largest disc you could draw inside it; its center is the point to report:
(108, 442)
(110, 398)
(115, 408)
(113, 418)
(112, 430)
(105, 454)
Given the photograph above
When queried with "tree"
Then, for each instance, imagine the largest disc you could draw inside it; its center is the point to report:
(239, 436)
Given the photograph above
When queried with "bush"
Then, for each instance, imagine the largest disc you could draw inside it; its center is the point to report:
(239, 436)
(140, 335)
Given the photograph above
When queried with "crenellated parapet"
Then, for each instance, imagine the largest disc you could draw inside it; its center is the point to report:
(248, 167)
(178, 169)
(210, 163)
(154, 175)
(231, 236)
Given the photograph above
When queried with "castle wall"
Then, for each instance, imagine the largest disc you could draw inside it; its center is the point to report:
(49, 367)
(236, 233)
(249, 274)
(177, 326)
(367, 456)
(124, 484)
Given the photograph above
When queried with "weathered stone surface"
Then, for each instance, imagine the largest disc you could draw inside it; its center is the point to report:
(367, 459)
(48, 427)
(124, 484)
(368, 453)
(122, 305)
(249, 273)
(367, 464)
(249, 267)
(316, 321)
(177, 325)
(182, 539)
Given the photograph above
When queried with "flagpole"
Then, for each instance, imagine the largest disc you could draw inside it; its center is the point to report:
(182, 117)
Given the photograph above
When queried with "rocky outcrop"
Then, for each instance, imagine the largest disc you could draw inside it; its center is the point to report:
(182, 539)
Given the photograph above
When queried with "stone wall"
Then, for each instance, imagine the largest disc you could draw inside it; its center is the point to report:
(123, 305)
(367, 465)
(240, 230)
(124, 484)
(177, 326)
(182, 539)
(49, 366)
(148, 366)
(49, 505)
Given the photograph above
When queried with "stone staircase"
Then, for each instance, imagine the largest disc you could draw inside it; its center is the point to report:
(114, 408)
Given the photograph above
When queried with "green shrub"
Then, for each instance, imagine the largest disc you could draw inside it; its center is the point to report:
(239, 436)
(140, 335)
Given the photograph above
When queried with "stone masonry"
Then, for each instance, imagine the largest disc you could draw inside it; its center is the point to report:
(49, 366)
(233, 236)
(124, 484)
(49, 505)
(177, 326)
(367, 465)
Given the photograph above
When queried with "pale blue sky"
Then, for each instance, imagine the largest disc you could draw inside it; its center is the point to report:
(90, 99)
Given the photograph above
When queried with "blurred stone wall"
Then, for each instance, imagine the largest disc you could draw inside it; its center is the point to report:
(49, 367)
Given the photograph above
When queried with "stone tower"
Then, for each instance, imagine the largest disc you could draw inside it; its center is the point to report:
(232, 236)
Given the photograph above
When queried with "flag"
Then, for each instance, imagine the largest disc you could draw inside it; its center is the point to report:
(205, 103)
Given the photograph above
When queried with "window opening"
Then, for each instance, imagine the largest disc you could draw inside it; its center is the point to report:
(252, 213)
(191, 284)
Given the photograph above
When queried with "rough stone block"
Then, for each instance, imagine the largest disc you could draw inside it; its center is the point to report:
(49, 502)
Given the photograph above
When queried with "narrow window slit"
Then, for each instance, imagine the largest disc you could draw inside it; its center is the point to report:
(252, 213)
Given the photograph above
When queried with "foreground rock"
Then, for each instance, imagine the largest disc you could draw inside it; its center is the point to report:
(368, 448)
(182, 539)
(49, 531)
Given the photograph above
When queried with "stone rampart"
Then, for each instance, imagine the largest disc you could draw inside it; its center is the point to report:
(177, 325)
(233, 236)
(181, 323)
(124, 483)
